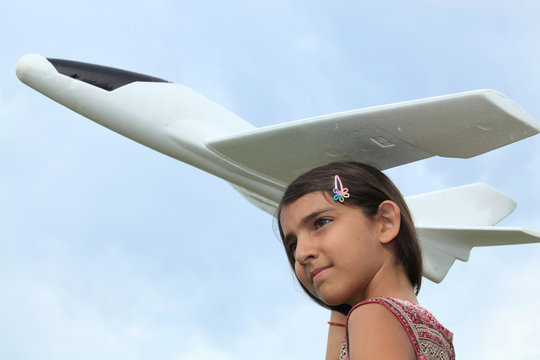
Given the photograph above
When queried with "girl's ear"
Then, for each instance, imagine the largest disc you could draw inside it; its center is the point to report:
(390, 220)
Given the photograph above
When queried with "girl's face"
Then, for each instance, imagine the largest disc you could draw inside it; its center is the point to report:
(338, 250)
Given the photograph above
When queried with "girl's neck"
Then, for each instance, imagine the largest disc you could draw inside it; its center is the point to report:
(389, 281)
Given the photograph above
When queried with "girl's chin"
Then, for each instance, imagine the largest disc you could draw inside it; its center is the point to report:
(333, 300)
(331, 295)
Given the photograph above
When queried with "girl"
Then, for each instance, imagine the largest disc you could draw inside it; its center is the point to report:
(351, 241)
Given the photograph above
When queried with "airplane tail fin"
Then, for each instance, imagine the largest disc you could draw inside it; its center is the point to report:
(468, 205)
(441, 246)
(453, 221)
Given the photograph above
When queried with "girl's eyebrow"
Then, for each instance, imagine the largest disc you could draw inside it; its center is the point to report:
(308, 219)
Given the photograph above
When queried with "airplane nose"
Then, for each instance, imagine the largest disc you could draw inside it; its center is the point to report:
(31, 65)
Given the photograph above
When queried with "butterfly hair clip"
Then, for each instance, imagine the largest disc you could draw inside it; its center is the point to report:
(341, 192)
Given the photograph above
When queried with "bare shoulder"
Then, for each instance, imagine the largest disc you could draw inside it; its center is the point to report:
(375, 332)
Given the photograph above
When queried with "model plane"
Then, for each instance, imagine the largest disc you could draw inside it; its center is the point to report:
(178, 122)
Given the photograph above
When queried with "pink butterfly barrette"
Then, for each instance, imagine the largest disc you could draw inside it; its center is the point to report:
(341, 192)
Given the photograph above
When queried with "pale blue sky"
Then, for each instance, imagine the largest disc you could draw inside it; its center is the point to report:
(110, 250)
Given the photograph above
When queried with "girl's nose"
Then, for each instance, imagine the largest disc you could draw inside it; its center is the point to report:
(305, 251)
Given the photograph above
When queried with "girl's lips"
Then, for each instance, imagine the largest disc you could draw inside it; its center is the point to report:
(318, 272)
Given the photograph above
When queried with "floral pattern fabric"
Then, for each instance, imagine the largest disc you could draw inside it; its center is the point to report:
(430, 340)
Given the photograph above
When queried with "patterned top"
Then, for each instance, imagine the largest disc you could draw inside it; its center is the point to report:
(430, 340)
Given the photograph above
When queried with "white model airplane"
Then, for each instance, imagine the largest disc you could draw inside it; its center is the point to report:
(260, 162)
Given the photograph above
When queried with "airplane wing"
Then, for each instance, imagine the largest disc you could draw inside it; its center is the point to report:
(459, 125)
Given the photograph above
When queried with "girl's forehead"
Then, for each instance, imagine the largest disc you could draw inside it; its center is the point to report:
(309, 199)
(305, 205)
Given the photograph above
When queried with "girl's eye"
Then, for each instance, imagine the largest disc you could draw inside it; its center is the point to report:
(291, 247)
(319, 223)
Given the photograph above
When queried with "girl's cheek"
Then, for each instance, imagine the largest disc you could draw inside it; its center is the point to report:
(300, 273)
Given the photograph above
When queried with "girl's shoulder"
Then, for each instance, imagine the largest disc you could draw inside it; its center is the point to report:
(428, 337)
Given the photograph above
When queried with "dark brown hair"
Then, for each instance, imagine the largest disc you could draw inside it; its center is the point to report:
(368, 188)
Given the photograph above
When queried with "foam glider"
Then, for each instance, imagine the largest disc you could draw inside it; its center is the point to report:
(178, 122)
